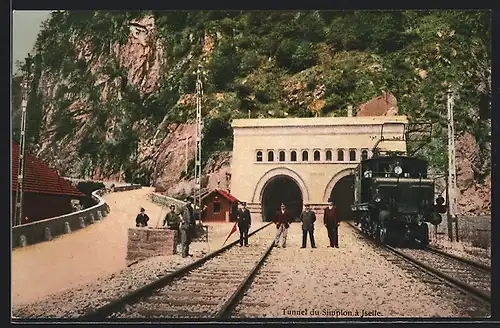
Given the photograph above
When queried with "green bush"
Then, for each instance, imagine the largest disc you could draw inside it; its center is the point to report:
(87, 187)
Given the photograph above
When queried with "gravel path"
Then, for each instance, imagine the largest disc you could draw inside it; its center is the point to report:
(85, 269)
(326, 282)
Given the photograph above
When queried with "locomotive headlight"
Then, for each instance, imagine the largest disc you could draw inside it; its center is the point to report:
(377, 199)
(398, 170)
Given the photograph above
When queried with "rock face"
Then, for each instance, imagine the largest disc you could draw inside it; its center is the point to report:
(384, 105)
(475, 196)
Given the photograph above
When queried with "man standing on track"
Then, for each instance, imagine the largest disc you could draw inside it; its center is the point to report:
(244, 223)
(187, 227)
(308, 217)
(331, 222)
(282, 221)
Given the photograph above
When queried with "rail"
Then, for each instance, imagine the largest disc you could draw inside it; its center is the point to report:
(440, 274)
(145, 291)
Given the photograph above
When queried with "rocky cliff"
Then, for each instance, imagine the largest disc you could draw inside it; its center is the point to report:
(113, 93)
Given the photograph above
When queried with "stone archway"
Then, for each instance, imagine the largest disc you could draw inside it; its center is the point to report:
(281, 189)
(342, 196)
(336, 178)
(279, 171)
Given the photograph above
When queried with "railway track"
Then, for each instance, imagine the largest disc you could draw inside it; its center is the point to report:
(470, 277)
(207, 288)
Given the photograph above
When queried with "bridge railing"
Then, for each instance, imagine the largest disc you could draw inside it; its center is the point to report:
(45, 230)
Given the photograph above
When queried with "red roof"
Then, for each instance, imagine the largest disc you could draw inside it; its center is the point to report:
(224, 194)
(38, 177)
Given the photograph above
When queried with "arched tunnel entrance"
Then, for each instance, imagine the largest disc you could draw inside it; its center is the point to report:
(281, 189)
(342, 196)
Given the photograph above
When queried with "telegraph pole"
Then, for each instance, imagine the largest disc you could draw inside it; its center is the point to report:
(452, 173)
(18, 214)
(197, 172)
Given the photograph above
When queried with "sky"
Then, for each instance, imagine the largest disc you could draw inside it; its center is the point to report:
(26, 25)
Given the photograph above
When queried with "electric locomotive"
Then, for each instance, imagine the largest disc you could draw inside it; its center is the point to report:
(394, 199)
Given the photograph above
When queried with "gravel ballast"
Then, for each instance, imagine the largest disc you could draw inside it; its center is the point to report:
(350, 281)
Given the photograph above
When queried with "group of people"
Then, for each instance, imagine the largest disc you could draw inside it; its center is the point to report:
(283, 219)
(183, 222)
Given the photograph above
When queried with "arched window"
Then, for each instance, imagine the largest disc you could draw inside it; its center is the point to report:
(328, 155)
(305, 156)
(270, 156)
(316, 155)
(352, 155)
(340, 155)
(293, 156)
(364, 154)
(282, 156)
(259, 156)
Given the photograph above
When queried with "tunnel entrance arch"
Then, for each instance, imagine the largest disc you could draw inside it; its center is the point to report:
(281, 189)
(342, 196)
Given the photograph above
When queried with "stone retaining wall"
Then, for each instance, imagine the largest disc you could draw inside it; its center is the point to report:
(46, 230)
(472, 229)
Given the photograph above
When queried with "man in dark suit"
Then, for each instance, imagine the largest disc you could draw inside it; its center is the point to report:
(282, 220)
(331, 221)
(244, 223)
(142, 219)
(187, 226)
(308, 217)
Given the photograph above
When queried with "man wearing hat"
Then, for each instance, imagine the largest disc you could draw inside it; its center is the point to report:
(142, 219)
(172, 220)
(187, 226)
(282, 221)
(244, 223)
(308, 217)
(331, 222)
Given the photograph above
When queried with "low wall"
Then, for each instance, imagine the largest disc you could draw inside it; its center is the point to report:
(126, 187)
(165, 200)
(44, 230)
(475, 230)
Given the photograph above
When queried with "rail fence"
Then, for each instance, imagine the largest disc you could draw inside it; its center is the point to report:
(474, 235)
(46, 230)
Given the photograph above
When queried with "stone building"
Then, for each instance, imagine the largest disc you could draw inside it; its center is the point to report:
(306, 160)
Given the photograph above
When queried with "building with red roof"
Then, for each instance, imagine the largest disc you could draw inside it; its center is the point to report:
(220, 206)
(45, 193)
